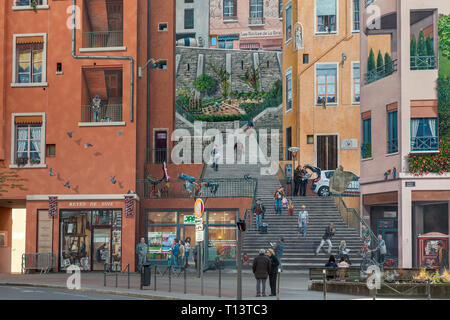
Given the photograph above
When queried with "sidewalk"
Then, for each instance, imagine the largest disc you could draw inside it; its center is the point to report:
(293, 286)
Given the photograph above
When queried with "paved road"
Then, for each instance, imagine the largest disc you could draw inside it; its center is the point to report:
(31, 293)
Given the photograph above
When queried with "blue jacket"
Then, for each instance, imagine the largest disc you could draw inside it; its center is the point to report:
(175, 249)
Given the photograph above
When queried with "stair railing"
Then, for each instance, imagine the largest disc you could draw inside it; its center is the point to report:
(353, 219)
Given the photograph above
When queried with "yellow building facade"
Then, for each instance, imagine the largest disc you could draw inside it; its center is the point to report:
(321, 91)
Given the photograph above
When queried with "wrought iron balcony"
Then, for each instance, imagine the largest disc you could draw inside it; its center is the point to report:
(106, 113)
(423, 63)
(425, 144)
(258, 21)
(381, 72)
(102, 39)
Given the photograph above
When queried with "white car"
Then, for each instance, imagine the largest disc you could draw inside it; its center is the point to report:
(321, 185)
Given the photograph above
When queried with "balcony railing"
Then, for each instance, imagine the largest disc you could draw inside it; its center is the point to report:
(102, 39)
(206, 188)
(392, 145)
(423, 63)
(425, 144)
(256, 21)
(381, 72)
(106, 113)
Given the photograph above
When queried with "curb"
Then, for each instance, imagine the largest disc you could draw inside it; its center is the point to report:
(91, 290)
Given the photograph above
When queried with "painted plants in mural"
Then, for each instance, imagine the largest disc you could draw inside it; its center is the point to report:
(202, 103)
(438, 162)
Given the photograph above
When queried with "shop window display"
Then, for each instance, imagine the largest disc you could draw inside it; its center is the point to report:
(222, 241)
(91, 238)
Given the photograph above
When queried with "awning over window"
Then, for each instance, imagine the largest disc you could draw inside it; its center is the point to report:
(229, 37)
(326, 7)
(28, 120)
(249, 46)
(21, 40)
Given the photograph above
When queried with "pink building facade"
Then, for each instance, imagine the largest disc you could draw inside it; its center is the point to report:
(399, 117)
(246, 24)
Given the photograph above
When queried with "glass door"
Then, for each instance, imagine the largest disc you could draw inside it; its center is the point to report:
(101, 252)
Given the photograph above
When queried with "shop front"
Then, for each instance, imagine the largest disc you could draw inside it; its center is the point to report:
(164, 226)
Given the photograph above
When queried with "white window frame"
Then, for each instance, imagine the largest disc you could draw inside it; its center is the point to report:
(337, 21)
(13, 165)
(44, 83)
(288, 72)
(285, 8)
(356, 103)
(44, 5)
(352, 14)
(334, 104)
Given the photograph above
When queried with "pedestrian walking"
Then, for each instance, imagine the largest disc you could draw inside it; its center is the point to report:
(343, 252)
(141, 251)
(329, 233)
(278, 249)
(187, 246)
(274, 263)
(259, 213)
(216, 156)
(297, 181)
(261, 270)
(278, 196)
(303, 220)
(380, 249)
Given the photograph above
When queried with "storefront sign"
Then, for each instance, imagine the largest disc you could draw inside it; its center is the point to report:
(199, 234)
(45, 232)
(101, 204)
(349, 144)
(261, 34)
(189, 219)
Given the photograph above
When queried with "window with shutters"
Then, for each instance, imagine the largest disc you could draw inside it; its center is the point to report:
(326, 16)
(288, 22)
(189, 18)
(326, 84)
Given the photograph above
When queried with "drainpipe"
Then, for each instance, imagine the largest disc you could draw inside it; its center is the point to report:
(103, 58)
(148, 79)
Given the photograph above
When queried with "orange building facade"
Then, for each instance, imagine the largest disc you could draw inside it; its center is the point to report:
(79, 111)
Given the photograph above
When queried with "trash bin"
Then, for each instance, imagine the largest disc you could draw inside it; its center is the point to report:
(146, 274)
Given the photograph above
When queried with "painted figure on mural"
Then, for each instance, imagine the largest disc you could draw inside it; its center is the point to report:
(298, 38)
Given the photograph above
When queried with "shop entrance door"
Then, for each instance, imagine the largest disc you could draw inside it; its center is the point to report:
(185, 232)
(388, 228)
(101, 252)
(327, 152)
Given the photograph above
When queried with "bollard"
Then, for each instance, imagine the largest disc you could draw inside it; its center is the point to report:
(104, 276)
(374, 294)
(278, 284)
(117, 276)
(128, 269)
(220, 281)
(170, 278)
(324, 272)
(185, 281)
(142, 278)
(155, 276)
(428, 290)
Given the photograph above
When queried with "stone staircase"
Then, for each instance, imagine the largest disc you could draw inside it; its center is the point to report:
(299, 252)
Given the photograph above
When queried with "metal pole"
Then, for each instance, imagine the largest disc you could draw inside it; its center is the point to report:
(184, 280)
(239, 266)
(170, 278)
(155, 276)
(278, 284)
(375, 294)
(198, 260)
(428, 290)
(104, 275)
(324, 274)
(142, 278)
(220, 281)
(117, 276)
(128, 267)
(201, 264)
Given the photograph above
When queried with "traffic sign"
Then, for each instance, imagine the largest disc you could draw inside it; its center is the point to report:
(199, 235)
(199, 207)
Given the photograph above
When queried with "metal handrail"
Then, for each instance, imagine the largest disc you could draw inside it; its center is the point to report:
(106, 113)
(103, 39)
(381, 72)
(356, 215)
(425, 143)
(423, 62)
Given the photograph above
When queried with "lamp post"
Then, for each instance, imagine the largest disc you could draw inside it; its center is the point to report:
(294, 151)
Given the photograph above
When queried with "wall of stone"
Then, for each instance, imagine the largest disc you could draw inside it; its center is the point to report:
(241, 60)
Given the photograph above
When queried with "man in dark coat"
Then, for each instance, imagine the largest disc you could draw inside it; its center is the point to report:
(261, 269)
(274, 263)
(297, 181)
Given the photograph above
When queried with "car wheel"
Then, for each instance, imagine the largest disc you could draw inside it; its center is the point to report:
(324, 192)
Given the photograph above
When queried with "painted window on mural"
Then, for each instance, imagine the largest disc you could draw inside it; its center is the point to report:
(326, 15)
(29, 60)
(28, 144)
(189, 18)
(366, 146)
(356, 83)
(27, 3)
(229, 9)
(288, 22)
(326, 83)
(392, 144)
(424, 134)
(288, 85)
(256, 8)
(355, 15)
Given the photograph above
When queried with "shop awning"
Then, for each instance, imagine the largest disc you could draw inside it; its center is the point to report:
(228, 37)
(21, 40)
(249, 46)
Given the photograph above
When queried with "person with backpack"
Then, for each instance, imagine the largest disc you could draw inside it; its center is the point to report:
(259, 213)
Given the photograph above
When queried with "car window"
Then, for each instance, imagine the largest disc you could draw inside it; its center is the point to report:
(329, 174)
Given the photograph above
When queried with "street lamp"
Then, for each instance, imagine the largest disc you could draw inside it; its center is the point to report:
(294, 151)
(152, 62)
